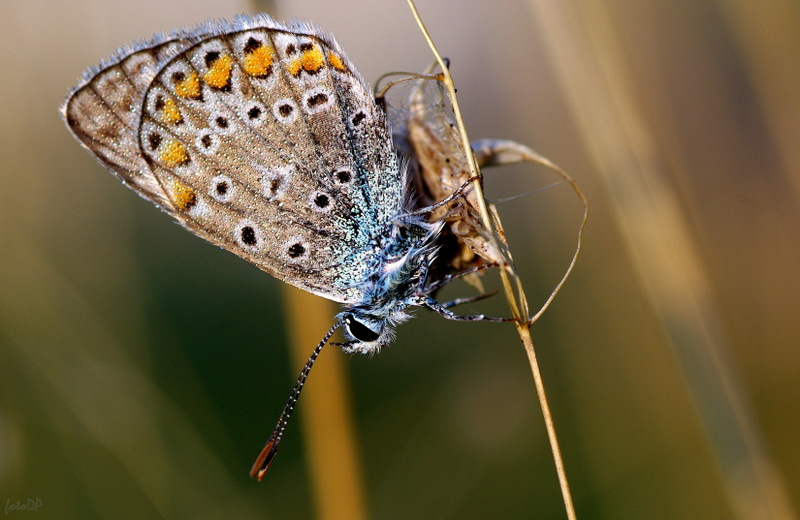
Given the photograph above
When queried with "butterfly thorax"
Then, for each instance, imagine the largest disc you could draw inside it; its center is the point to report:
(397, 283)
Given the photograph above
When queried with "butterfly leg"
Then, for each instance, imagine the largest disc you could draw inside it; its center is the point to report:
(429, 302)
(446, 279)
(447, 200)
(468, 299)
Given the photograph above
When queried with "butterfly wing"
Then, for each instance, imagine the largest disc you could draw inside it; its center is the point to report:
(102, 112)
(258, 136)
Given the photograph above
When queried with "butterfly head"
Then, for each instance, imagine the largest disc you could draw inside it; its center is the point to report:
(397, 283)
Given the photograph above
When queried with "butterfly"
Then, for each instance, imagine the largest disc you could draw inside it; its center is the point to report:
(262, 138)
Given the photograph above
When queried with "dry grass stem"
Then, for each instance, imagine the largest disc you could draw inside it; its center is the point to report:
(511, 283)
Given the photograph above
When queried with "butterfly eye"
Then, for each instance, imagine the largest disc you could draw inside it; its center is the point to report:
(360, 331)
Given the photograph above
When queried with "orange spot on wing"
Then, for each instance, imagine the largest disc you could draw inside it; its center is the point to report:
(174, 154)
(183, 197)
(219, 72)
(336, 62)
(188, 87)
(259, 61)
(311, 61)
(171, 114)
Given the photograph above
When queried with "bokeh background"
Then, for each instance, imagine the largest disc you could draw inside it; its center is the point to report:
(141, 369)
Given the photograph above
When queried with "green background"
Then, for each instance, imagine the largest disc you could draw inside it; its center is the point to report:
(141, 369)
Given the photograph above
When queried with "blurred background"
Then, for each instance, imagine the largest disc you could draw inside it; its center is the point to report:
(142, 369)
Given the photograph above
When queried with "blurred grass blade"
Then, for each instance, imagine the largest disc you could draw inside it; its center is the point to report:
(769, 39)
(80, 383)
(598, 85)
